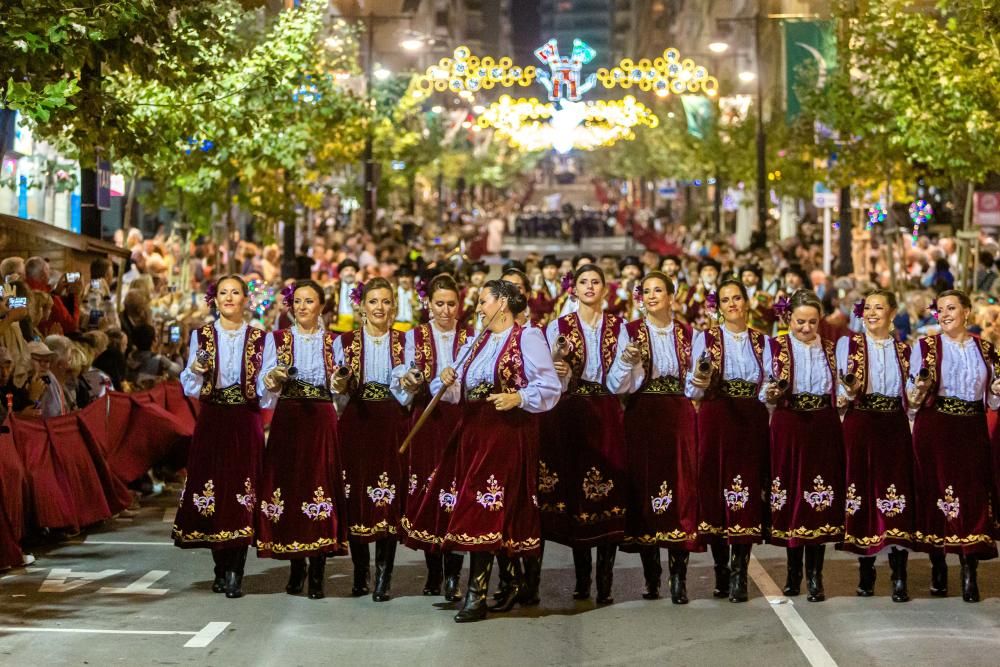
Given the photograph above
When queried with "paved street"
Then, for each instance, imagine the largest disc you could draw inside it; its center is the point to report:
(123, 595)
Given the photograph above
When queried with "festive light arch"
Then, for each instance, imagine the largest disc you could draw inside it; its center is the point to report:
(565, 122)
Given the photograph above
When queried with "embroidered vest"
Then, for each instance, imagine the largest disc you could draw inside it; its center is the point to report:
(783, 366)
(930, 353)
(638, 333)
(857, 362)
(354, 355)
(716, 348)
(425, 348)
(253, 357)
(576, 354)
(508, 374)
(284, 345)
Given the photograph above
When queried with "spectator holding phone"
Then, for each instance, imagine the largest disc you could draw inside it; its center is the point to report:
(65, 296)
(11, 335)
(51, 401)
(146, 365)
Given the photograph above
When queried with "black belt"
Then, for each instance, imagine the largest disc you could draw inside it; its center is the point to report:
(810, 402)
(584, 388)
(479, 392)
(949, 405)
(878, 403)
(666, 384)
(298, 389)
(231, 395)
(738, 388)
(375, 391)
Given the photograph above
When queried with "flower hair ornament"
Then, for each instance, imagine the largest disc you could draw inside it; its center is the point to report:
(859, 308)
(567, 282)
(421, 289)
(782, 308)
(211, 292)
(288, 294)
(933, 308)
(712, 302)
(356, 294)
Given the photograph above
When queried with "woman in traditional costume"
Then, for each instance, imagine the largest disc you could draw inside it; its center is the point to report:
(302, 505)
(726, 376)
(953, 381)
(880, 500)
(224, 460)
(660, 439)
(807, 447)
(373, 424)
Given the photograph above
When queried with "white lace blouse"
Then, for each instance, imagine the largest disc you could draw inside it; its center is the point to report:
(307, 357)
(230, 361)
(624, 378)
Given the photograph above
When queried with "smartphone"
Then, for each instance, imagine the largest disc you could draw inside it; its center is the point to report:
(95, 285)
(95, 317)
(72, 277)
(17, 302)
(175, 333)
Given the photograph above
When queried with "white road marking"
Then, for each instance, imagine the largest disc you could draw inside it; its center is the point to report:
(141, 586)
(199, 639)
(808, 643)
(164, 543)
(169, 514)
(56, 581)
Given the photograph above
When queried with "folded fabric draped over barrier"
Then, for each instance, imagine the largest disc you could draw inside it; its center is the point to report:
(72, 471)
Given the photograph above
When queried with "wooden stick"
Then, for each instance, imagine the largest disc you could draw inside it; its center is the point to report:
(440, 393)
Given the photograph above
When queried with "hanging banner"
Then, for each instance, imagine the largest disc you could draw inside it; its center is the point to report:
(698, 110)
(806, 42)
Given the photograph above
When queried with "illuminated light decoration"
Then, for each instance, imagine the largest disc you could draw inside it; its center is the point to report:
(663, 76)
(533, 125)
(563, 79)
(465, 72)
(920, 213)
(876, 215)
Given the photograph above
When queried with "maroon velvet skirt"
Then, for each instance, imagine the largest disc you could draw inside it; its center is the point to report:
(374, 484)
(224, 462)
(301, 507)
(495, 504)
(807, 486)
(954, 483)
(880, 478)
(662, 465)
(733, 461)
(433, 476)
(582, 481)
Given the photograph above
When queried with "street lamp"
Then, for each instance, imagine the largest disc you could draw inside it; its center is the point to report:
(412, 44)
(747, 76)
(381, 73)
(718, 47)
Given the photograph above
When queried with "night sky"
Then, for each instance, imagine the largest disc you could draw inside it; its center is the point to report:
(526, 33)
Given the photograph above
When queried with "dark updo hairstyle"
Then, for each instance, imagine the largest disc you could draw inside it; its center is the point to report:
(805, 298)
(732, 282)
(585, 268)
(504, 289)
(442, 281)
(514, 271)
(962, 297)
(377, 283)
(889, 296)
(659, 275)
(314, 286)
(233, 276)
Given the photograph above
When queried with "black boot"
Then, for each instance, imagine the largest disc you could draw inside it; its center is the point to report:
(720, 554)
(866, 576)
(814, 572)
(605, 572)
(296, 576)
(970, 585)
(452, 572)
(532, 581)
(435, 573)
(738, 573)
(652, 571)
(361, 558)
(583, 563)
(317, 566)
(677, 563)
(234, 572)
(939, 574)
(219, 557)
(504, 576)
(793, 582)
(513, 588)
(385, 557)
(897, 564)
(474, 608)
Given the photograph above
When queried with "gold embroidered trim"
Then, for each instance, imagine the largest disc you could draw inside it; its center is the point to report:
(879, 403)
(739, 388)
(375, 391)
(479, 392)
(877, 540)
(810, 402)
(303, 390)
(956, 407)
(493, 538)
(231, 395)
(666, 384)
(804, 533)
(952, 540)
(298, 547)
(222, 536)
(360, 530)
(674, 536)
(730, 531)
(584, 388)
(588, 518)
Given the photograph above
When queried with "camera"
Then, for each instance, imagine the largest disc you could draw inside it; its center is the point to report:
(17, 302)
(175, 333)
(73, 276)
